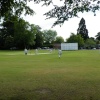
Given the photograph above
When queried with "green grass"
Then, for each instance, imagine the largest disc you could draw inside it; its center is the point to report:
(75, 76)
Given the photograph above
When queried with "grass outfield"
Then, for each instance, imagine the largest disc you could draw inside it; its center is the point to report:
(76, 76)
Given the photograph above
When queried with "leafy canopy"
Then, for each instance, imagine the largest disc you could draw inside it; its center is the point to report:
(14, 7)
(59, 39)
(69, 9)
(76, 39)
(49, 35)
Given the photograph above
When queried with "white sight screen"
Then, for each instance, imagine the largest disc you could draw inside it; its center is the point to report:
(69, 46)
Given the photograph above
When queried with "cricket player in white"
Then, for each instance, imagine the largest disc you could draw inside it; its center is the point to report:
(25, 51)
(59, 53)
(36, 51)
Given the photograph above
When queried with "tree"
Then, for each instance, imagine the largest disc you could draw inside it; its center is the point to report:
(98, 36)
(16, 32)
(49, 36)
(90, 43)
(76, 39)
(14, 7)
(1, 39)
(82, 29)
(59, 39)
(8, 25)
(69, 9)
(7, 31)
(9, 42)
(25, 36)
(39, 40)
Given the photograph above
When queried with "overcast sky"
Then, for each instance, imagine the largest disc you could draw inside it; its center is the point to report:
(92, 22)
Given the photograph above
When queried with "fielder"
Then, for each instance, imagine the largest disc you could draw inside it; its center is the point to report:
(36, 51)
(25, 51)
(59, 53)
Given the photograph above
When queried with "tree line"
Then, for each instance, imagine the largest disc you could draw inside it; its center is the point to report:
(17, 33)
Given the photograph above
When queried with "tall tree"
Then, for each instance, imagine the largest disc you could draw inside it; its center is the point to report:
(7, 31)
(25, 36)
(16, 32)
(82, 29)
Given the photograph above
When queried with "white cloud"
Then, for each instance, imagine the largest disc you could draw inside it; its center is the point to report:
(92, 22)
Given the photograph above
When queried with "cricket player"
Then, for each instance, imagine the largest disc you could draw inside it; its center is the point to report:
(59, 53)
(36, 51)
(25, 51)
